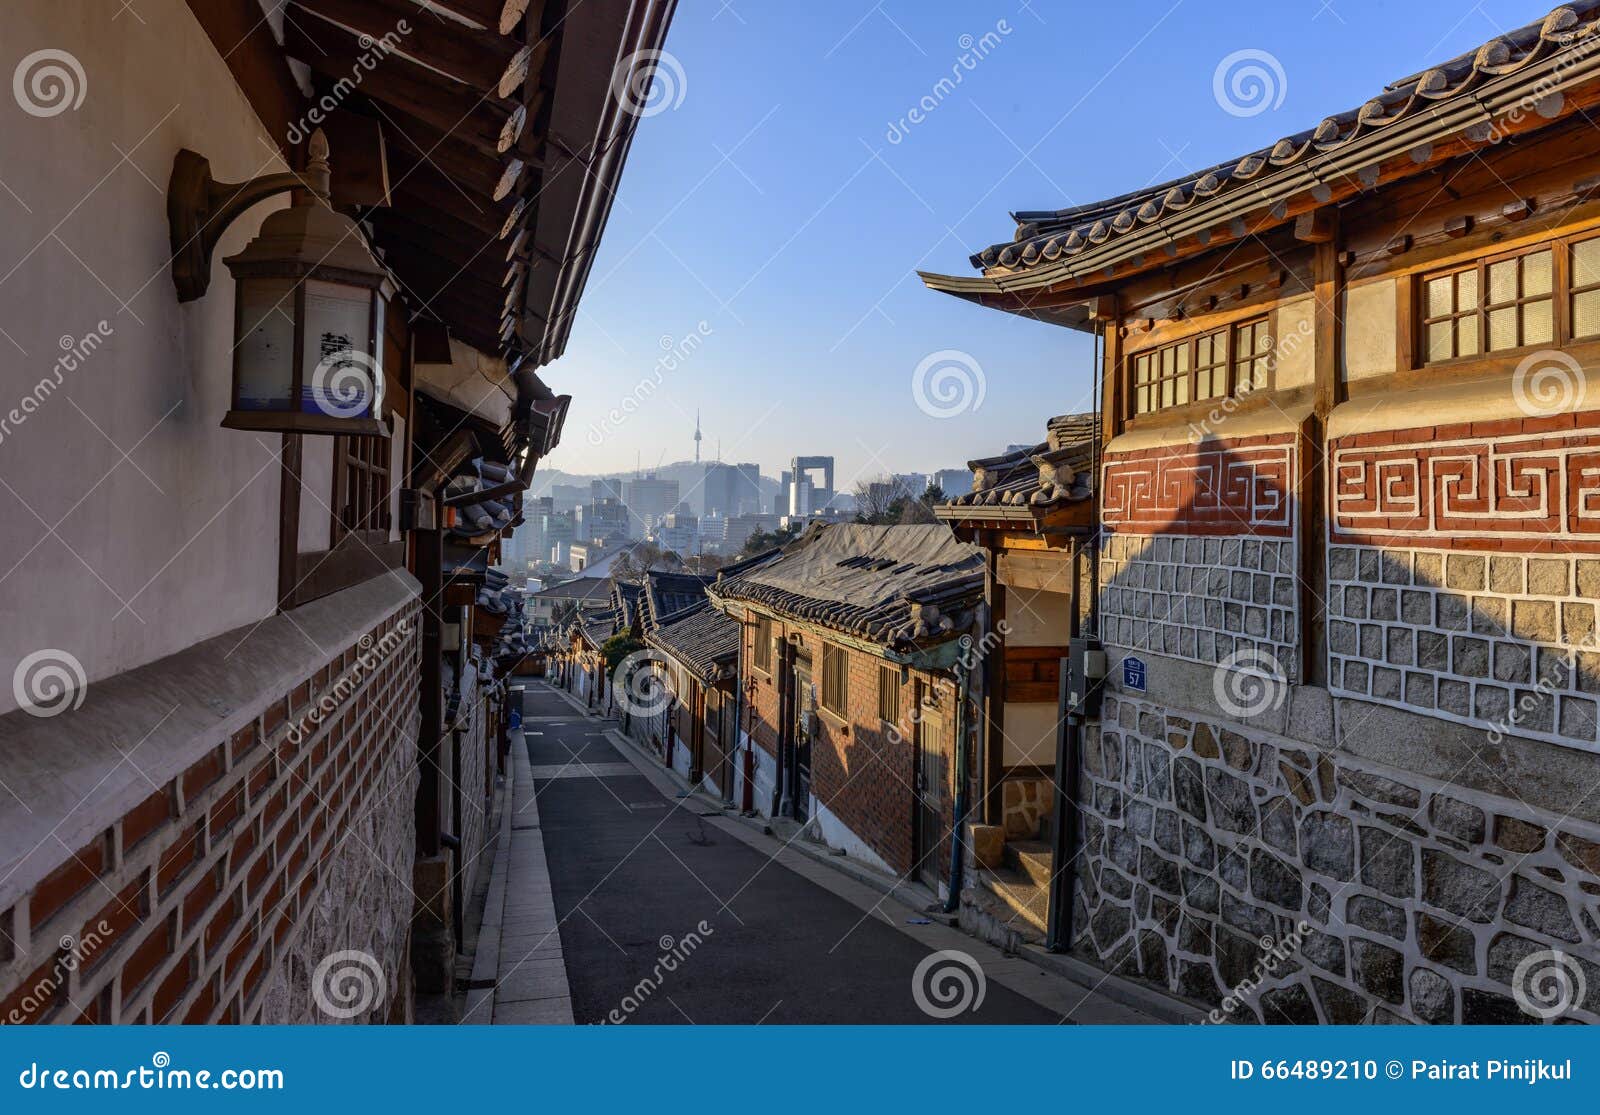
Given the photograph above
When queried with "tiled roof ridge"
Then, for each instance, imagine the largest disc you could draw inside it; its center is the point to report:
(1044, 236)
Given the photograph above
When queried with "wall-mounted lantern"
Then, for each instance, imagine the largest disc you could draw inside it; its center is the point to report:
(308, 308)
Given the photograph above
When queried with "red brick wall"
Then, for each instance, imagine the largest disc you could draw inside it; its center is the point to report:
(1224, 486)
(1520, 484)
(189, 906)
(860, 770)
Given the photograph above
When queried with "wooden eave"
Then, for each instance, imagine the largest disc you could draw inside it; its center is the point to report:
(1402, 149)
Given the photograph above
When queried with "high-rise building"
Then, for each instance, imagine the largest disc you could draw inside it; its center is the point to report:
(649, 498)
(803, 495)
(608, 487)
(732, 489)
(953, 482)
(679, 531)
(603, 518)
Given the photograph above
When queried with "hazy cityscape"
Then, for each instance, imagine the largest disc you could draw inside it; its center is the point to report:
(702, 513)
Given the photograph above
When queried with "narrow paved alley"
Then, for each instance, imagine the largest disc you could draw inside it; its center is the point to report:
(630, 868)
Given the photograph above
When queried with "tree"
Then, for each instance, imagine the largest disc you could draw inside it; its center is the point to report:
(640, 558)
(763, 540)
(876, 498)
(705, 563)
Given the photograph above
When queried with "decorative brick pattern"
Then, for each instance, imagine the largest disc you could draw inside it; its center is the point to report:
(1202, 599)
(1503, 641)
(1200, 841)
(1238, 486)
(215, 898)
(1528, 485)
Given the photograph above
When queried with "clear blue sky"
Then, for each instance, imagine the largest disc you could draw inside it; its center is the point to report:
(770, 204)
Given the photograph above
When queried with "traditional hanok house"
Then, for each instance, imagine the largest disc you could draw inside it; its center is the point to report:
(857, 662)
(222, 758)
(1347, 563)
(587, 677)
(1030, 510)
(690, 715)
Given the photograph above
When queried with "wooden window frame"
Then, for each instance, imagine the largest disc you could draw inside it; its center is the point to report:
(835, 661)
(761, 657)
(889, 693)
(1186, 352)
(361, 487)
(1559, 296)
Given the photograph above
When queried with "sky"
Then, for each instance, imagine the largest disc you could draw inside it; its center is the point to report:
(760, 263)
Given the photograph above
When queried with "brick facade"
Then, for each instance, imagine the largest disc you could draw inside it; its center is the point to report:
(216, 898)
(862, 771)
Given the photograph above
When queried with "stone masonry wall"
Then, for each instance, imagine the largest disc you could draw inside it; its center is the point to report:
(1204, 844)
(1204, 599)
(220, 896)
(1501, 639)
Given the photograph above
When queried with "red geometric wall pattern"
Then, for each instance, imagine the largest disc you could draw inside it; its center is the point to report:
(1529, 485)
(1237, 486)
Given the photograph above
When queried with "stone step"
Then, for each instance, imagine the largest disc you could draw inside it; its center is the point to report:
(1033, 858)
(1028, 902)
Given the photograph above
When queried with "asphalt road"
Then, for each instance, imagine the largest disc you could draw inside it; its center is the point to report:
(635, 875)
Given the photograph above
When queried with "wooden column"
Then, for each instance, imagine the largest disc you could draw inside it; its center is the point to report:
(1321, 229)
(429, 569)
(994, 695)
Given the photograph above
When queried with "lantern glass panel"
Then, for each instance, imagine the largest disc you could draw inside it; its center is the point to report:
(265, 357)
(340, 375)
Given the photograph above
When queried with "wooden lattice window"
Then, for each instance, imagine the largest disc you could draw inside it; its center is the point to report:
(1496, 305)
(889, 694)
(1233, 360)
(1584, 277)
(361, 479)
(835, 680)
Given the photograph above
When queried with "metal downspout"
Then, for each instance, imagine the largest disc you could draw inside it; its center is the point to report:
(952, 901)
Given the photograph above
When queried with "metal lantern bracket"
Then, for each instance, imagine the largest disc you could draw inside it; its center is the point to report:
(200, 209)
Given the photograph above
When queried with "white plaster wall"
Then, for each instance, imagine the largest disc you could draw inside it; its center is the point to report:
(1037, 618)
(836, 834)
(1369, 329)
(1294, 342)
(316, 481)
(766, 776)
(106, 557)
(1030, 734)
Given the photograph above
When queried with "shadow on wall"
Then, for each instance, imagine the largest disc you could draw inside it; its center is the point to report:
(1283, 881)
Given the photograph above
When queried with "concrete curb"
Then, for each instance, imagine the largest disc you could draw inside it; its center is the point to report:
(519, 975)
